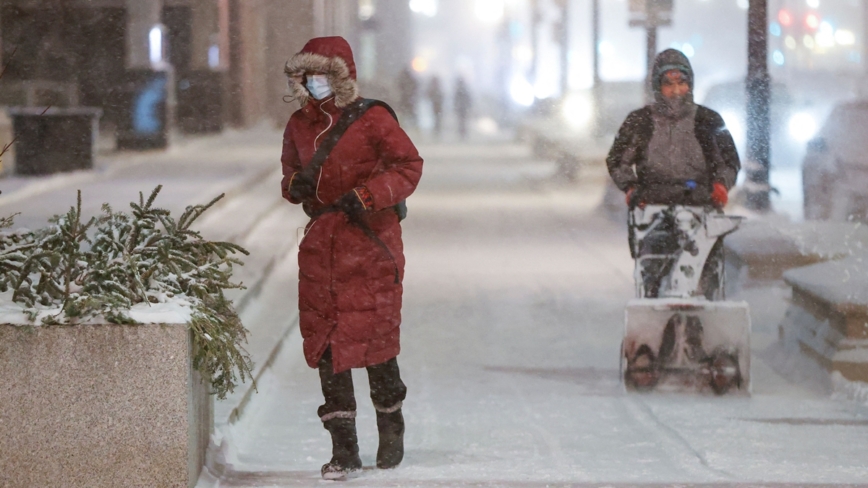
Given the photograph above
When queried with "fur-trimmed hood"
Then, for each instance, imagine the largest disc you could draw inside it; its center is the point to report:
(331, 56)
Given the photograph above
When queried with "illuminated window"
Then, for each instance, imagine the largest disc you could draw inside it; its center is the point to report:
(214, 56)
(155, 44)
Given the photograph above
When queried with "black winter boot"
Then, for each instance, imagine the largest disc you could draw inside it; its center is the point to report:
(345, 449)
(391, 428)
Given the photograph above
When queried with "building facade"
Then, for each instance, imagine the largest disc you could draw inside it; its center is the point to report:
(192, 65)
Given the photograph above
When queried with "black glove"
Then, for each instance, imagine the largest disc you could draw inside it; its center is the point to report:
(302, 187)
(351, 205)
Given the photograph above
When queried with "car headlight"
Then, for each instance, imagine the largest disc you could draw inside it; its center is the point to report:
(802, 126)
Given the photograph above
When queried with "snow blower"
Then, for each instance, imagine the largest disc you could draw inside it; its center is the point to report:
(681, 334)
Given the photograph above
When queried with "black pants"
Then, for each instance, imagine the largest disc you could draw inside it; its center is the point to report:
(387, 389)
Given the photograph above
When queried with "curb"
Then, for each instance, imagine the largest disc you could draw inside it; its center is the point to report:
(237, 411)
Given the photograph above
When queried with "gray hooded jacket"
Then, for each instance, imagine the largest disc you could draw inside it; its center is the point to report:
(673, 158)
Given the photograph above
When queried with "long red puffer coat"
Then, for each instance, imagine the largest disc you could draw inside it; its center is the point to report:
(348, 296)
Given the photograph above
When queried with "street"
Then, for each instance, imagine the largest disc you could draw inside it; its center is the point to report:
(513, 313)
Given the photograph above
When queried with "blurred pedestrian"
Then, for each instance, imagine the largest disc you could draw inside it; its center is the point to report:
(435, 95)
(351, 179)
(463, 104)
(407, 91)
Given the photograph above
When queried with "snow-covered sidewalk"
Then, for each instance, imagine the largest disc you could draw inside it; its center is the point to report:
(514, 301)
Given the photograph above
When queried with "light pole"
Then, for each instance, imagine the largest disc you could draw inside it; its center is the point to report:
(650, 14)
(595, 33)
(565, 46)
(536, 18)
(758, 119)
(650, 54)
(597, 88)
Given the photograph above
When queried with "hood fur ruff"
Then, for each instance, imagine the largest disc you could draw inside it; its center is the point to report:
(343, 85)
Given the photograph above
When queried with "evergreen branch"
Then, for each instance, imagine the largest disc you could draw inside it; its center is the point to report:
(134, 257)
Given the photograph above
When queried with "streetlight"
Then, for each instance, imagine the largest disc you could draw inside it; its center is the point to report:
(758, 118)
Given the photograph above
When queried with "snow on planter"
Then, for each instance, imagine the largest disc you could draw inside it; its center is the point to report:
(114, 333)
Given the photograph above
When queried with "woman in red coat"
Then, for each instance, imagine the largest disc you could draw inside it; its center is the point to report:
(351, 260)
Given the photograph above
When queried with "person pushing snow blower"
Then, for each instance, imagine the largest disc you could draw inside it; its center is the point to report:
(350, 165)
(676, 161)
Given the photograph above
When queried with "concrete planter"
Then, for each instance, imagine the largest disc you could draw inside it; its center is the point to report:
(828, 315)
(760, 252)
(101, 406)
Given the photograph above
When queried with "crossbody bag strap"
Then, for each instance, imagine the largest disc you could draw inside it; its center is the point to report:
(351, 114)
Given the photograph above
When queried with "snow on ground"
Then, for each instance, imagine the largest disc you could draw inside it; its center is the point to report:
(513, 315)
(789, 197)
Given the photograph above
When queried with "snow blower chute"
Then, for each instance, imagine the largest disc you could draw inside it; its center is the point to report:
(681, 334)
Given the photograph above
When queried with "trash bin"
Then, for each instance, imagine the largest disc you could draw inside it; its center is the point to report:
(56, 140)
(142, 118)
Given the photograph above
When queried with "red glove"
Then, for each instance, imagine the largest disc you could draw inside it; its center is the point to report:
(365, 197)
(629, 198)
(719, 195)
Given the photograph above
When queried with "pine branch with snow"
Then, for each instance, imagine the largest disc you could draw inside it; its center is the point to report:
(106, 265)
(15, 247)
(56, 261)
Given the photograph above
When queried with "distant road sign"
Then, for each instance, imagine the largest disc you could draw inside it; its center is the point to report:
(650, 13)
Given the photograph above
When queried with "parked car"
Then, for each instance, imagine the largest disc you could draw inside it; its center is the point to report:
(835, 168)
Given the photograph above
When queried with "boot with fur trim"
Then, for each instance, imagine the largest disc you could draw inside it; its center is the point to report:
(345, 449)
(390, 424)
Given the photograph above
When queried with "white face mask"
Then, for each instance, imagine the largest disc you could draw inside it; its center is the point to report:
(318, 86)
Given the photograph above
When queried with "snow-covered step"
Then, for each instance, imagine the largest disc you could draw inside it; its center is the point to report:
(762, 250)
(828, 314)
